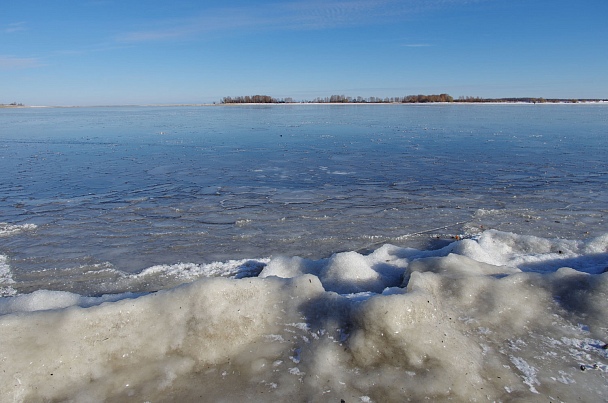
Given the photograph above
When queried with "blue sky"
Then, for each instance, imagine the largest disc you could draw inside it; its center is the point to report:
(98, 52)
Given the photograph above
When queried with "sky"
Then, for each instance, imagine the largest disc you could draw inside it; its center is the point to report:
(115, 52)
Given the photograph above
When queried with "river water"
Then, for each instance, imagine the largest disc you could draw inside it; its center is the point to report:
(492, 217)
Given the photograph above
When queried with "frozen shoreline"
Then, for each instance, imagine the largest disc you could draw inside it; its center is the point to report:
(307, 103)
(323, 253)
(461, 323)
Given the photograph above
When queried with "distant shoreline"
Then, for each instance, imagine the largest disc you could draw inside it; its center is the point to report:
(563, 102)
(408, 99)
(3, 106)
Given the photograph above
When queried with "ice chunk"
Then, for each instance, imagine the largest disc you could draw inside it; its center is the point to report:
(350, 272)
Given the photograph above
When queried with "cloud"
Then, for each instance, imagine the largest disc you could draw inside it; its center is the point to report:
(93, 48)
(319, 14)
(160, 34)
(292, 15)
(18, 63)
(210, 21)
(328, 14)
(417, 45)
(14, 27)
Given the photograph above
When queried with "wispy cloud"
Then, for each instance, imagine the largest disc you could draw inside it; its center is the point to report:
(215, 20)
(293, 15)
(14, 27)
(18, 63)
(93, 48)
(417, 45)
(329, 14)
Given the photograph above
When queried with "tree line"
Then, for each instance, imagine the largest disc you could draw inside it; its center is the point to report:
(250, 99)
(418, 99)
(386, 100)
(12, 104)
(338, 99)
(530, 100)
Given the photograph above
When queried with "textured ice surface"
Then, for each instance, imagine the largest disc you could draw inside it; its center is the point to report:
(363, 253)
(393, 325)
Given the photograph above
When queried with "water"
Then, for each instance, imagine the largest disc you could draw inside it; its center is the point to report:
(122, 202)
(130, 188)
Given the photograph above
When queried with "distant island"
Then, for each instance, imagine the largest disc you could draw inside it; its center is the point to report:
(12, 105)
(409, 99)
(343, 99)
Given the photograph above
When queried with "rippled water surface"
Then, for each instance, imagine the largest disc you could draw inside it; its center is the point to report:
(99, 190)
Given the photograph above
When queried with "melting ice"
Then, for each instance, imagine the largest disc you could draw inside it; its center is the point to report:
(499, 317)
(291, 253)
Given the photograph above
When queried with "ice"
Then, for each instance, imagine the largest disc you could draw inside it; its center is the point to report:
(304, 253)
(394, 325)
(287, 267)
(350, 272)
(102, 279)
(6, 278)
(528, 373)
(190, 271)
(42, 300)
(597, 245)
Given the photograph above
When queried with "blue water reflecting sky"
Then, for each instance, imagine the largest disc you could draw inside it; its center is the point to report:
(137, 186)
